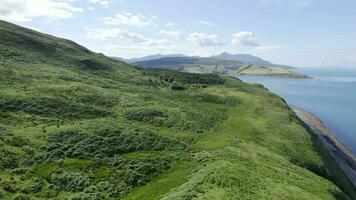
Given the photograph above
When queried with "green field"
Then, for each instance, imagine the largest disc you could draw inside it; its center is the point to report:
(257, 70)
(78, 125)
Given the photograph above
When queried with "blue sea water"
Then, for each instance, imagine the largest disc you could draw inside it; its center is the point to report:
(331, 96)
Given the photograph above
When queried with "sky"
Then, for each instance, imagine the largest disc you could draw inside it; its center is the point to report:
(300, 33)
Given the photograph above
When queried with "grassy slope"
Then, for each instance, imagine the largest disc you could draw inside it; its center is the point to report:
(75, 124)
(270, 71)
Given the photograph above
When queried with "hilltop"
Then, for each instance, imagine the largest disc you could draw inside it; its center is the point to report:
(75, 124)
(245, 58)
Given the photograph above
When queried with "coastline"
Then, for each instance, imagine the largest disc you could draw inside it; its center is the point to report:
(338, 151)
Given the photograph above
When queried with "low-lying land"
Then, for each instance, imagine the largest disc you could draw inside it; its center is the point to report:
(256, 70)
(78, 125)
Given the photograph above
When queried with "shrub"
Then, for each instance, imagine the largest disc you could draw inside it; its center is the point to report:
(144, 114)
(188, 78)
(177, 86)
(219, 99)
(8, 159)
(106, 143)
(22, 197)
(71, 182)
(94, 64)
(18, 141)
(37, 186)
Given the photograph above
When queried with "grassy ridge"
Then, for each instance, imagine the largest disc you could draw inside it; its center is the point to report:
(78, 125)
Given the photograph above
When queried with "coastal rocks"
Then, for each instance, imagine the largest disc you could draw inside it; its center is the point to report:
(340, 152)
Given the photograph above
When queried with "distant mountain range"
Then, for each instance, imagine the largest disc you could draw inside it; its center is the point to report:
(150, 57)
(244, 58)
(225, 63)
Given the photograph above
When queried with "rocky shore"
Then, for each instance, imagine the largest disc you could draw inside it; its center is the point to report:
(340, 152)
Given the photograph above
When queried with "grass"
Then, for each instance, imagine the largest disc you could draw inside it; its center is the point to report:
(269, 71)
(77, 125)
(164, 183)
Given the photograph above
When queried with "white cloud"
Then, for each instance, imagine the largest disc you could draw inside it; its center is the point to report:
(206, 23)
(25, 10)
(245, 38)
(33, 28)
(295, 3)
(267, 47)
(115, 33)
(127, 18)
(104, 3)
(156, 43)
(204, 39)
(172, 34)
(170, 24)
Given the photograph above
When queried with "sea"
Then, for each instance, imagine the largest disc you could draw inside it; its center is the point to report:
(330, 95)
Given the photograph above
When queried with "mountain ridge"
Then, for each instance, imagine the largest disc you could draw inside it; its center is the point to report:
(244, 58)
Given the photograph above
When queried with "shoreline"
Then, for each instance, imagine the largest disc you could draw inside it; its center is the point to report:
(338, 151)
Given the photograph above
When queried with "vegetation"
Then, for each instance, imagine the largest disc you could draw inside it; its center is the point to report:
(77, 125)
(270, 71)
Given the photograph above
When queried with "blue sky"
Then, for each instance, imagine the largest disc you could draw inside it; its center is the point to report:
(294, 32)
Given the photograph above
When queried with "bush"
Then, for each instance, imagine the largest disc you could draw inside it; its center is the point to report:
(22, 197)
(138, 171)
(106, 143)
(94, 64)
(144, 114)
(8, 159)
(187, 78)
(71, 182)
(177, 86)
(219, 99)
(37, 186)
(18, 141)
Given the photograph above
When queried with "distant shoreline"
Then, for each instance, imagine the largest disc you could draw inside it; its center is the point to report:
(301, 76)
(339, 151)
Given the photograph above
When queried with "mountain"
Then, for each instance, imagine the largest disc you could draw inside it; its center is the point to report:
(216, 65)
(245, 58)
(150, 57)
(249, 59)
(192, 64)
(75, 124)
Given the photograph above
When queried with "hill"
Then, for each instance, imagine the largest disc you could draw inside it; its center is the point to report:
(78, 125)
(246, 58)
(150, 57)
(219, 66)
(249, 59)
(193, 64)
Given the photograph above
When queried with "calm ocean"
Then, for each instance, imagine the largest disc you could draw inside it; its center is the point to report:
(331, 96)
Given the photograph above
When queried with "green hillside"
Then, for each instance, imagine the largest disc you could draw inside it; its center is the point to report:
(78, 125)
(259, 70)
